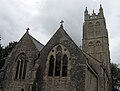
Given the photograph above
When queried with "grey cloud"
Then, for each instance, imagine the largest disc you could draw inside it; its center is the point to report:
(43, 17)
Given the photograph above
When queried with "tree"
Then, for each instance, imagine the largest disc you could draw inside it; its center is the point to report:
(115, 72)
(4, 51)
(1, 57)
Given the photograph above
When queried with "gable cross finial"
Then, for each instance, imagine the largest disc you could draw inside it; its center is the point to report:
(61, 23)
(28, 29)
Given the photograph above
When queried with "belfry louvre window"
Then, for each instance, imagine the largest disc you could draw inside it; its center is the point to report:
(58, 60)
(97, 28)
(21, 66)
(90, 29)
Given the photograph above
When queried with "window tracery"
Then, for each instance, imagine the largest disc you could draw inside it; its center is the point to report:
(21, 66)
(58, 61)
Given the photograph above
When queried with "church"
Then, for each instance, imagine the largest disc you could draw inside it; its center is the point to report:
(61, 65)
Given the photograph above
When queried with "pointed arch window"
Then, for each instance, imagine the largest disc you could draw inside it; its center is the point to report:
(90, 29)
(97, 28)
(58, 61)
(21, 66)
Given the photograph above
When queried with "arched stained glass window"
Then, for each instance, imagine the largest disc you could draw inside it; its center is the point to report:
(21, 66)
(58, 61)
(64, 66)
(51, 65)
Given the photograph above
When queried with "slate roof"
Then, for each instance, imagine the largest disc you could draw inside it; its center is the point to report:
(38, 45)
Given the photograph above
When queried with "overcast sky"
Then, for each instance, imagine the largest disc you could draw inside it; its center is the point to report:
(43, 17)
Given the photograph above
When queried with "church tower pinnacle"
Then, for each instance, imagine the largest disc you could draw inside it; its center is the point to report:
(86, 14)
(101, 14)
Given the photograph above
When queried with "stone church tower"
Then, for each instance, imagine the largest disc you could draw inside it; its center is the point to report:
(95, 37)
(95, 42)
